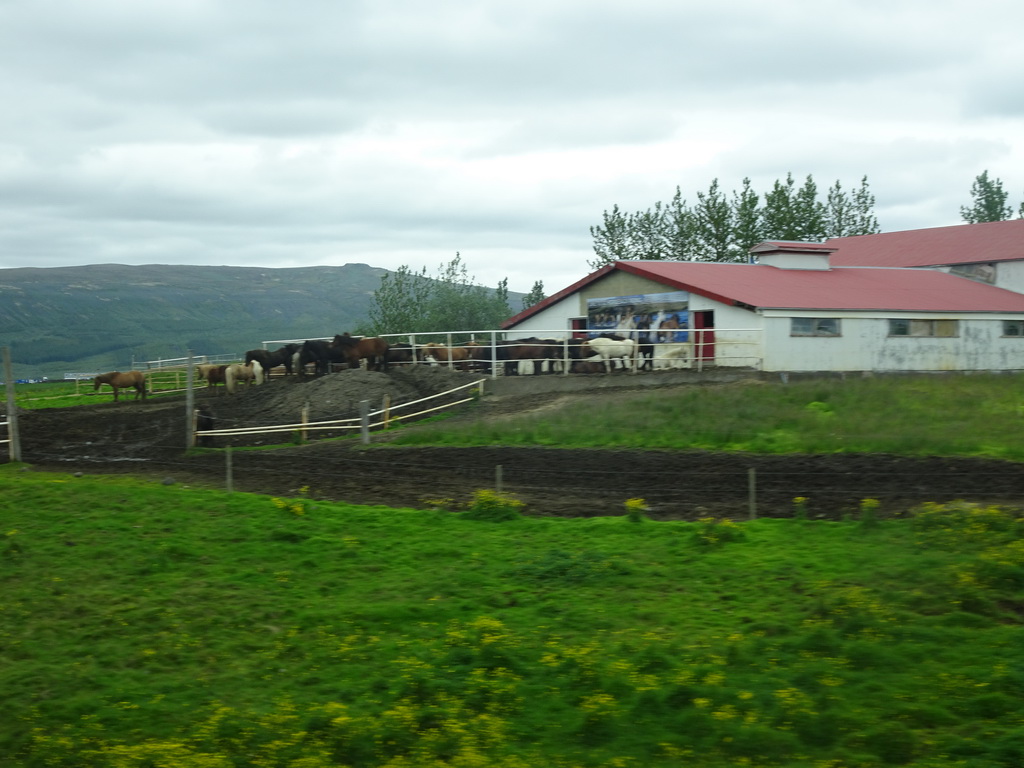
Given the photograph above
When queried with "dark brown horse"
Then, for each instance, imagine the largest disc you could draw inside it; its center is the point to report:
(131, 380)
(373, 349)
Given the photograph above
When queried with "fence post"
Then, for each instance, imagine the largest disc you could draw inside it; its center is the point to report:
(752, 485)
(386, 411)
(498, 478)
(364, 420)
(229, 470)
(304, 433)
(14, 446)
(190, 404)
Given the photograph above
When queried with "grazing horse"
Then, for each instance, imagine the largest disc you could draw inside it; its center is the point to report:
(610, 349)
(373, 349)
(269, 360)
(132, 379)
(237, 373)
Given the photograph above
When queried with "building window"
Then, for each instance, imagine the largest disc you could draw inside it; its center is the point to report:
(924, 328)
(814, 326)
(1013, 328)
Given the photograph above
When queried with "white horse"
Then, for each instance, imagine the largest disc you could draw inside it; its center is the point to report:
(251, 373)
(610, 350)
(672, 355)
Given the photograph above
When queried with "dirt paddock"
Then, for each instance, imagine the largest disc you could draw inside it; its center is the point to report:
(148, 438)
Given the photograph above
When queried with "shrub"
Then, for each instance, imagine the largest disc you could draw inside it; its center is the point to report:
(714, 532)
(493, 506)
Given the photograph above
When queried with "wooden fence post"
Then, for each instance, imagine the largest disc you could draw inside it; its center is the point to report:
(752, 484)
(14, 446)
(304, 433)
(229, 470)
(364, 420)
(190, 404)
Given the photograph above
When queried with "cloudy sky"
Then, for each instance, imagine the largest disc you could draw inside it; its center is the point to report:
(394, 132)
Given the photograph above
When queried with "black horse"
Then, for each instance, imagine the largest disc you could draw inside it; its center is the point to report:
(322, 354)
(268, 359)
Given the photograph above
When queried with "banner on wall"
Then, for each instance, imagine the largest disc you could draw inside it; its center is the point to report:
(650, 318)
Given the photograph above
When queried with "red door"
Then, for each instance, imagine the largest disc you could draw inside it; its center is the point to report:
(704, 335)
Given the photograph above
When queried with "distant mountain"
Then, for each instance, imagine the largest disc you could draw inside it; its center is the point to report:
(108, 316)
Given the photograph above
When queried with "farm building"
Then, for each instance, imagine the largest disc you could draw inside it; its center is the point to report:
(941, 299)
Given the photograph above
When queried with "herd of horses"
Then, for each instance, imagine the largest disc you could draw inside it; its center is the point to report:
(604, 353)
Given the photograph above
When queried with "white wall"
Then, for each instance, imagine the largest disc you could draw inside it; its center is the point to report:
(865, 345)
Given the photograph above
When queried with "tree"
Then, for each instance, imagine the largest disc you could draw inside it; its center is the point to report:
(535, 296)
(714, 225)
(412, 302)
(746, 217)
(989, 201)
(720, 228)
(864, 220)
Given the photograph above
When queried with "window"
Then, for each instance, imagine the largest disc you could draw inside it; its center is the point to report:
(814, 326)
(1013, 328)
(924, 328)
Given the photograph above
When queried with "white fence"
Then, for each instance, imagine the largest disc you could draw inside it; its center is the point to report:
(724, 347)
(385, 417)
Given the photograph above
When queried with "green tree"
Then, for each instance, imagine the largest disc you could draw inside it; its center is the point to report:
(413, 302)
(720, 228)
(746, 217)
(988, 201)
(681, 229)
(535, 296)
(714, 226)
(779, 214)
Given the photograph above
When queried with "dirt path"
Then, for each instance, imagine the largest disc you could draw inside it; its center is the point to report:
(149, 438)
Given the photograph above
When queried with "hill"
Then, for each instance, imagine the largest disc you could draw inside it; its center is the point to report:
(111, 316)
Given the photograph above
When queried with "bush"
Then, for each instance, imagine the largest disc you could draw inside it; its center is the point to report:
(493, 506)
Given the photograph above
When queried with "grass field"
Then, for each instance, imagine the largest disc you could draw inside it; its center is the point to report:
(146, 625)
(976, 415)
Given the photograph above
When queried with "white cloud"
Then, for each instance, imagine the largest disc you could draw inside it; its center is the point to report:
(392, 132)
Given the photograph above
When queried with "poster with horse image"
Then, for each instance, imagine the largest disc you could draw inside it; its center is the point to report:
(650, 318)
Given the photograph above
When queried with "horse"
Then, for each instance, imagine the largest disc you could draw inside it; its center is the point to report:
(212, 373)
(267, 359)
(321, 353)
(531, 349)
(400, 353)
(132, 379)
(373, 349)
(461, 356)
(610, 348)
(672, 355)
(667, 329)
(238, 373)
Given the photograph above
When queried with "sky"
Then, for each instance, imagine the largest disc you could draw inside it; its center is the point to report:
(399, 133)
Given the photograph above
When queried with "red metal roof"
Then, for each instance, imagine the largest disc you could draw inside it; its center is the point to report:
(759, 286)
(855, 288)
(939, 246)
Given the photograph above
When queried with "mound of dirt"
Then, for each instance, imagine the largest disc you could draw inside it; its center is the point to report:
(284, 399)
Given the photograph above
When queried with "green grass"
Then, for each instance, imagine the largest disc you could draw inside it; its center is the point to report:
(147, 625)
(66, 394)
(977, 415)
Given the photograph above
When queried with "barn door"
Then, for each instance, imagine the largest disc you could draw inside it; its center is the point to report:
(704, 335)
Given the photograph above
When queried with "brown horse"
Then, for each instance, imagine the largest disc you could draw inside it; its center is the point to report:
(370, 348)
(212, 373)
(131, 380)
(463, 357)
